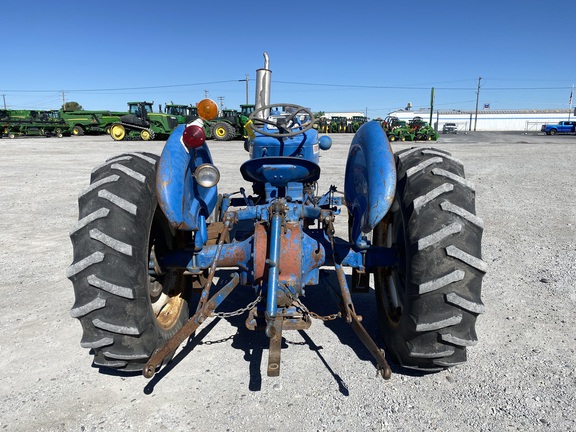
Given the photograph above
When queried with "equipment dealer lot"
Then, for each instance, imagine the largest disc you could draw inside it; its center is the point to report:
(520, 376)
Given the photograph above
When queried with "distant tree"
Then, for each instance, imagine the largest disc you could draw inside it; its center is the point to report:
(72, 106)
(319, 114)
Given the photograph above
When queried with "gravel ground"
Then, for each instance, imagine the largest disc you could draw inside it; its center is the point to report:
(521, 375)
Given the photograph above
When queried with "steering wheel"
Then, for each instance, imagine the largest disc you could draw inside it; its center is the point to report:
(288, 121)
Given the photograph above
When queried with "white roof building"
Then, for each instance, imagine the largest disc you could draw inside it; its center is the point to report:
(490, 120)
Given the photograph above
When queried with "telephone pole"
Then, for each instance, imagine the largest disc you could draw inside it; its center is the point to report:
(4, 99)
(477, 97)
(246, 88)
(63, 99)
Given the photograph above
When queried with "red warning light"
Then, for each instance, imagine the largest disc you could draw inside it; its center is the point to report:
(193, 136)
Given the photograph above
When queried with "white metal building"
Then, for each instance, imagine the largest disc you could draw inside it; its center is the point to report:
(528, 121)
(347, 114)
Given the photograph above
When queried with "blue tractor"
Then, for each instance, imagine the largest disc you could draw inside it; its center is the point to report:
(153, 232)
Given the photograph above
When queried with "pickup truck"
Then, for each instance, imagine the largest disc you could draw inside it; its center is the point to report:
(561, 127)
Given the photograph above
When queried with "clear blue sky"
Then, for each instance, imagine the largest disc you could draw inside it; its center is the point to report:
(369, 56)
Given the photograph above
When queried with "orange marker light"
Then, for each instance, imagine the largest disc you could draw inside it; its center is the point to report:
(207, 109)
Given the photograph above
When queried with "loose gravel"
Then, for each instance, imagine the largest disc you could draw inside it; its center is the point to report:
(520, 376)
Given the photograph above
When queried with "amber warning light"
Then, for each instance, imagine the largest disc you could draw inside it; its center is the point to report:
(207, 109)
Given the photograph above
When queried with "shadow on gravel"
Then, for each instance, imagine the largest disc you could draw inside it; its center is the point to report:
(255, 344)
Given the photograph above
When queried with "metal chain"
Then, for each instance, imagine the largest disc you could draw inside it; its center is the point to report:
(296, 301)
(314, 315)
(239, 311)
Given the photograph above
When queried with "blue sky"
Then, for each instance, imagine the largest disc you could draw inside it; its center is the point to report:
(368, 56)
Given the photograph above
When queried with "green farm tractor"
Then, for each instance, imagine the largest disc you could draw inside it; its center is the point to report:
(142, 123)
(184, 113)
(355, 123)
(230, 125)
(422, 130)
(338, 124)
(396, 129)
(322, 124)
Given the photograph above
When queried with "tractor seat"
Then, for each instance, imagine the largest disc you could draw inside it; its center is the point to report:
(280, 170)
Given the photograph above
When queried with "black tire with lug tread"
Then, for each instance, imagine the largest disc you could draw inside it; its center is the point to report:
(222, 131)
(127, 305)
(428, 306)
(77, 130)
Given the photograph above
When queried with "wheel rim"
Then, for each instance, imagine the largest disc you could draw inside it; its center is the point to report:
(220, 132)
(391, 281)
(117, 132)
(75, 131)
(166, 288)
(145, 135)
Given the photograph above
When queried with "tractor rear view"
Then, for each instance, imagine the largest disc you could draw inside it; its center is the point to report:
(338, 124)
(142, 123)
(152, 229)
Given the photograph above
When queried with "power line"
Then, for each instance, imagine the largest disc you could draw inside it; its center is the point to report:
(120, 88)
(352, 86)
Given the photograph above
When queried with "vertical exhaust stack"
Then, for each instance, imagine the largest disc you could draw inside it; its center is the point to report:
(263, 80)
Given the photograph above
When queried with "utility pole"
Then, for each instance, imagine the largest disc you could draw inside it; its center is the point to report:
(205, 94)
(432, 94)
(477, 97)
(246, 88)
(569, 102)
(221, 101)
(4, 98)
(63, 99)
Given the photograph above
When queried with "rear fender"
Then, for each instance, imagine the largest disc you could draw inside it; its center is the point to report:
(370, 181)
(185, 203)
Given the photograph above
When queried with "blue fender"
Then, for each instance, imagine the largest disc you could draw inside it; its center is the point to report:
(185, 203)
(370, 181)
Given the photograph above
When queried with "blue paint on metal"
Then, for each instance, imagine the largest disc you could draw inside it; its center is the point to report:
(181, 198)
(370, 181)
(279, 171)
(301, 146)
(273, 272)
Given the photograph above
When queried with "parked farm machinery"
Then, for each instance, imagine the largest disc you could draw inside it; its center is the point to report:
(396, 129)
(422, 130)
(142, 123)
(183, 113)
(33, 123)
(91, 122)
(230, 125)
(152, 229)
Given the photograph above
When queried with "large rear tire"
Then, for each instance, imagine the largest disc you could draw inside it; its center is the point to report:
(77, 131)
(127, 304)
(222, 131)
(429, 304)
